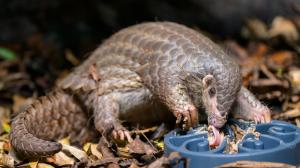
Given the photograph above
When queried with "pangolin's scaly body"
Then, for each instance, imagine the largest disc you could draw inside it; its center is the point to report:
(146, 73)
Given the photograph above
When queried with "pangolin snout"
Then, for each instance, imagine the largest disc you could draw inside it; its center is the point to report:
(216, 120)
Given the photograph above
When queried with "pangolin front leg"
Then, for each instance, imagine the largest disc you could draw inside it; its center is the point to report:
(247, 107)
(106, 117)
(170, 89)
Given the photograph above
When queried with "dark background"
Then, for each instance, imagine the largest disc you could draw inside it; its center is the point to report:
(41, 32)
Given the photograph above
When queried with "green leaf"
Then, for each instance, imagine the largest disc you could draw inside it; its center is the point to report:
(160, 144)
(279, 72)
(7, 54)
(6, 127)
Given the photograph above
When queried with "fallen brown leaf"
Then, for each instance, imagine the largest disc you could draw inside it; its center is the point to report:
(21, 103)
(256, 164)
(280, 59)
(139, 147)
(103, 147)
(297, 120)
(6, 160)
(255, 28)
(92, 151)
(288, 114)
(284, 27)
(171, 161)
(71, 57)
(77, 153)
(95, 152)
(61, 159)
(65, 141)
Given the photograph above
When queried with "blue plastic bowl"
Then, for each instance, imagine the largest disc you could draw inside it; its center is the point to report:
(279, 142)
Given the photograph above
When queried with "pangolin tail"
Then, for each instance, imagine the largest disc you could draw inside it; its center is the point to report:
(49, 118)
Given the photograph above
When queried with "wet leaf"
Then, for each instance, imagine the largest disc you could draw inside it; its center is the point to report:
(7, 54)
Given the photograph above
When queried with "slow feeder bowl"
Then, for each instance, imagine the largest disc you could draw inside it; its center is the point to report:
(278, 142)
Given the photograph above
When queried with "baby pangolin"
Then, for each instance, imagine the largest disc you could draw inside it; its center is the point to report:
(144, 74)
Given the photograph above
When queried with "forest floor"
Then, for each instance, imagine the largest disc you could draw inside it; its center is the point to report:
(269, 57)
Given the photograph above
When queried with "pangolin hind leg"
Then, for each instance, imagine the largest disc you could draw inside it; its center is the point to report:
(49, 118)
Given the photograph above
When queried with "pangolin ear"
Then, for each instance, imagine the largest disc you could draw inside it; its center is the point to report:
(208, 80)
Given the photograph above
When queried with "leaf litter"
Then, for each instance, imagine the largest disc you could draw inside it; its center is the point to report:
(269, 70)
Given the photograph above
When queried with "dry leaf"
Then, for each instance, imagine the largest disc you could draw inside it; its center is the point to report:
(44, 165)
(297, 120)
(21, 103)
(71, 57)
(77, 153)
(284, 27)
(295, 77)
(65, 141)
(139, 147)
(86, 147)
(33, 164)
(1, 146)
(124, 152)
(280, 59)
(173, 158)
(255, 28)
(61, 159)
(95, 152)
(91, 149)
(4, 119)
(288, 114)
(6, 160)
(133, 165)
(256, 164)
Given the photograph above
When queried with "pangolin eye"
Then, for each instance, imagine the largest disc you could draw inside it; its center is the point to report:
(212, 92)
